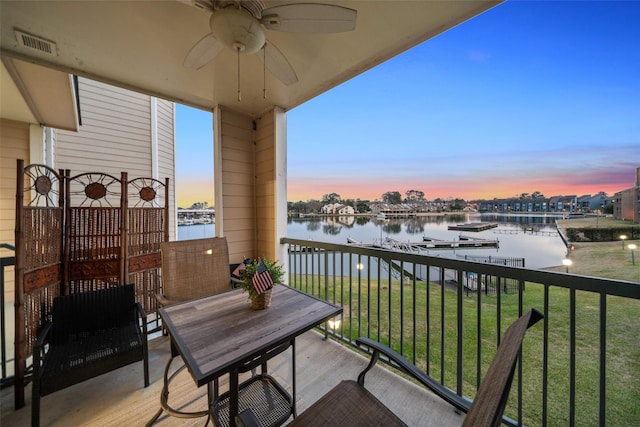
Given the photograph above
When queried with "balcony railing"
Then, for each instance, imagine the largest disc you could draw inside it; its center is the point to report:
(447, 316)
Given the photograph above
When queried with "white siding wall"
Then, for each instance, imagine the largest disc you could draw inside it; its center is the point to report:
(116, 136)
(166, 157)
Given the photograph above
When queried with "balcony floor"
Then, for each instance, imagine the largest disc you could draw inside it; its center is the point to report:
(118, 398)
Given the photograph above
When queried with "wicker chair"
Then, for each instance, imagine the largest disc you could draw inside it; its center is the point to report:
(91, 333)
(191, 269)
(349, 403)
(194, 269)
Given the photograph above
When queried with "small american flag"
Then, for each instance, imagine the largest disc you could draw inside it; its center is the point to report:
(262, 280)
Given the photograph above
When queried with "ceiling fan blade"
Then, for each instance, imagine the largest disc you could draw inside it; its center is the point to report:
(200, 4)
(309, 18)
(203, 52)
(277, 64)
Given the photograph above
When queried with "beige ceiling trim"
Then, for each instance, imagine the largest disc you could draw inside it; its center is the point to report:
(49, 94)
(12, 104)
(22, 87)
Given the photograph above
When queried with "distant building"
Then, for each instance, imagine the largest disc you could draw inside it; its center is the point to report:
(344, 210)
(327, 209)
(337, 209)
(537, 204)
(400, 210)
(626, 203)
(584, 202)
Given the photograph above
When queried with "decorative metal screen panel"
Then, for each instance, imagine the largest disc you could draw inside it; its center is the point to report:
(93, 232)
(147, 228)
(38, 268)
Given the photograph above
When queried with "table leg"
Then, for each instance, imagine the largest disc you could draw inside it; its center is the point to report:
(233, 396)
(293, 368)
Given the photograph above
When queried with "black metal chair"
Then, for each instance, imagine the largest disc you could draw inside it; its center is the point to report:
(91, 333)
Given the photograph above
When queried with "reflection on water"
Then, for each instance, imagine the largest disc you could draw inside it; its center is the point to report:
(196, 231)
(533, 238)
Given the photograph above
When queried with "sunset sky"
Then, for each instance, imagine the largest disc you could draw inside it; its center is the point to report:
(530, 96)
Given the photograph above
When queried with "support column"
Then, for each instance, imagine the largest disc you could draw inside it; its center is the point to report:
(271, 183)
(250, 175)
(234, 184)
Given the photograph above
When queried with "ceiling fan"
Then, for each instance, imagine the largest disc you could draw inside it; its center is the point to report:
(240, 26)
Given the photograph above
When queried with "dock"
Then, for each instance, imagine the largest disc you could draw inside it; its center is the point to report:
(473, 226)
(528, 230)
(429, 243)
(463, 242)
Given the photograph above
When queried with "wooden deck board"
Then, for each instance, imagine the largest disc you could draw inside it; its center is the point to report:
(119, 398)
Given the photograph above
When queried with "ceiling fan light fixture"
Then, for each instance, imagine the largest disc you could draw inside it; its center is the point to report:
(235, 27)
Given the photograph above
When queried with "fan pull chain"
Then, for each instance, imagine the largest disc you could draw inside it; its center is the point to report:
(264, 71)
(239, 94)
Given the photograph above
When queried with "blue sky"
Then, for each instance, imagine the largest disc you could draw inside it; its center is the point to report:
(530, 96)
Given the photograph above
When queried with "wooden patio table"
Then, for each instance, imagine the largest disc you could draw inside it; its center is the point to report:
(221, 334)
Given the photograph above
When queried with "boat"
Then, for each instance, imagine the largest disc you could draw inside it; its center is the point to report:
(381, 216)
(185, 221)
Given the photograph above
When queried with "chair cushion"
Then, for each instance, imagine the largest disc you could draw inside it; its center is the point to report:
(87, 356)
(347, 404)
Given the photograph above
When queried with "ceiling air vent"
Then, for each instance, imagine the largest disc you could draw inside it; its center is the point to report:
(36, 43)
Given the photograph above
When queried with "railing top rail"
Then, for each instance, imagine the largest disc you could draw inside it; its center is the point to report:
(605, 286)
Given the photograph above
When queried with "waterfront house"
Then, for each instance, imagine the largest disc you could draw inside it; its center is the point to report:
(141, 46)
(516, 204)
(337, 209)
(344, 210)
(583, 202)
(393, 210)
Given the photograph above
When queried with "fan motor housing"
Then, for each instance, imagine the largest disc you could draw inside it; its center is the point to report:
(237, 30)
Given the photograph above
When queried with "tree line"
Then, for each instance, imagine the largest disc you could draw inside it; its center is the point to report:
(364, 206)
(396, 198)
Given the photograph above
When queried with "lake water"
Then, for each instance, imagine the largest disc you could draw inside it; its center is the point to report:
(534, 238)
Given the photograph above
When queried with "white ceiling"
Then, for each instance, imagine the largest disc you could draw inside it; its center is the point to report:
(141, 45)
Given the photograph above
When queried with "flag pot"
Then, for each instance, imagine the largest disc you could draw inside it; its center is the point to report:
(261, 301)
